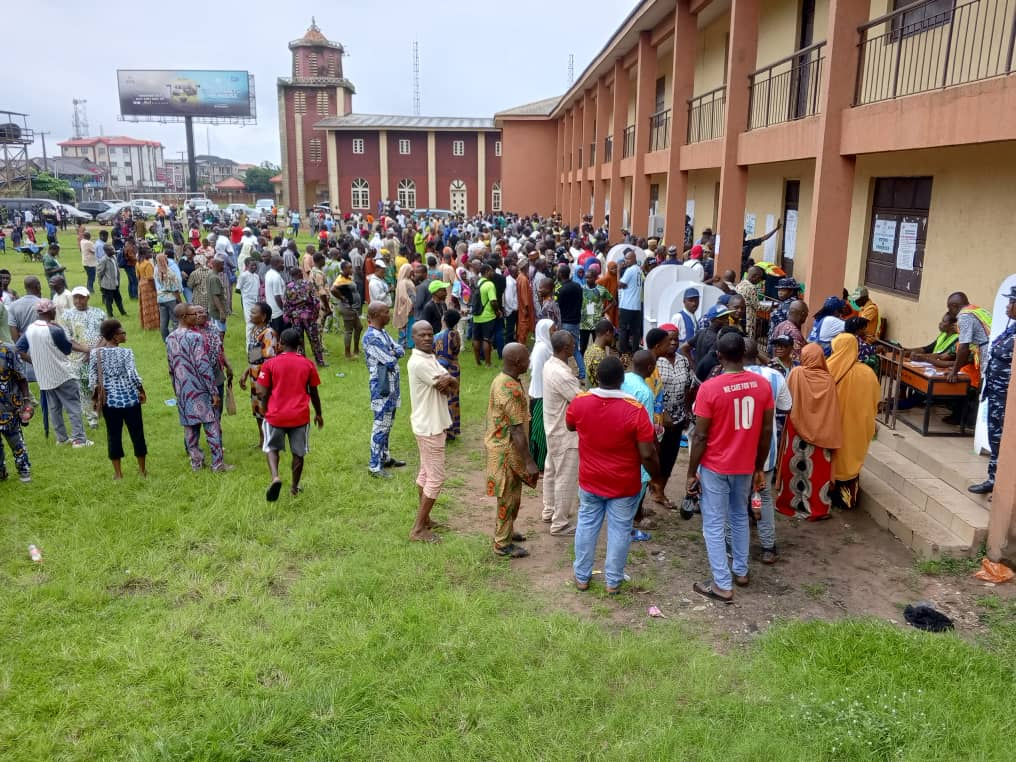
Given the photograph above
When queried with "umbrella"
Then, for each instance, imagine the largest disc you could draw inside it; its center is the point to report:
(44, 405)
(616, 254)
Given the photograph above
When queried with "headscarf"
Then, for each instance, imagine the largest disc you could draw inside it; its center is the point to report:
(609, 281)
(542, 352)
(843, 357)
(405, 290)
(858, 393)
(816, 413)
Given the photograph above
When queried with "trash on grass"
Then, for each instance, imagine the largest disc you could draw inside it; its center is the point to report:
(924, 616)
(655, 612)
(992, 571)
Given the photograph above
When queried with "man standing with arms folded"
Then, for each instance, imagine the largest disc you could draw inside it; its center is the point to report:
(560, 475)
(616, 439)
(284, 386)
(729, 449)
(429, 387)
(629, 301)
(382, 356)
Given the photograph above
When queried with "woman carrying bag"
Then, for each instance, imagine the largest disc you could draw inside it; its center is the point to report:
(117, 394)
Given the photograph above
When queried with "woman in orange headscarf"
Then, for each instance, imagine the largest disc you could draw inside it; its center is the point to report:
(814, 429)
(858, 392)
(609, 281)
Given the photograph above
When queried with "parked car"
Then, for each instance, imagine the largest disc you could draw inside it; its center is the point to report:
(242, 209)
(265, 203)
(107, 217)
(76, 215)
(148, 206)
(96, 208)
(202, 203)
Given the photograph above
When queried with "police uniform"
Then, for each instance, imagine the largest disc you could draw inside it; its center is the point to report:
(996, 387)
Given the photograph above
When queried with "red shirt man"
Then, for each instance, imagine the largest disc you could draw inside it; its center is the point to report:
(235, 234)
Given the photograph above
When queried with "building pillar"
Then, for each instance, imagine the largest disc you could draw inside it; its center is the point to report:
(332, 157)
(481, 173)
(576, 183)
(645, 101)
(301, 187)
(602, 129)
(588, 126)
(621, 93)
(431, 169)
(682, 78)
(569, 163)
(382, 163)
(559, 163)
(834, 173)
(733, 178)
(1002, 520)
(285, 150)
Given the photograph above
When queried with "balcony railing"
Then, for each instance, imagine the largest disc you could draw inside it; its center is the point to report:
(592, 154)
(934, 44)
(608, 148)
(705, 115)
(628, 149)
(659, 130)
(787, 89)
(579, 164)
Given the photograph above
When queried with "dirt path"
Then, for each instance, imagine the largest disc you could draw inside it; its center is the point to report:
(845, 566)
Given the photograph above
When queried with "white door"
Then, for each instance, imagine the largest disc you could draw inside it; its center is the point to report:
(457, 200)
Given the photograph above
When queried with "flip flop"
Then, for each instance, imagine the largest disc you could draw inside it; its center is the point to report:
(639, 536)
(274, 489)
(708, 592)
(430, 540)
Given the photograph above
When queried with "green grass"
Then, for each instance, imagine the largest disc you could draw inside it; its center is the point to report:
(184, 618)
(941, 567)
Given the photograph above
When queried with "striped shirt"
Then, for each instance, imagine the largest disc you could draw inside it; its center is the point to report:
(48, 346)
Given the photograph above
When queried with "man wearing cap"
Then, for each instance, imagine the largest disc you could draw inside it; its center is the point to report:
(46, 345)
(797, 313)
(786, 293)
(685, 320)
(82, 324)
(705, 338)
(997, 373)
(869, 311)
(248, 248)
(377, 289)
(437, 305)
(671, 259)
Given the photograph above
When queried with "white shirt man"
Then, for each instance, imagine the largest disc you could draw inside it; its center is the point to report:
(510, 300)
(275, 286)
(249, 286)
(248, 247)
(561, 476)
(377, 287)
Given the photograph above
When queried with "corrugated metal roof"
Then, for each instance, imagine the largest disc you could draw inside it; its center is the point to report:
(536, 108)
(392, 122)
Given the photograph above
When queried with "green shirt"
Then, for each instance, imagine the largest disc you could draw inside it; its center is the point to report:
(215, 288)
(488, 295)
(594, 302)
(49, 262)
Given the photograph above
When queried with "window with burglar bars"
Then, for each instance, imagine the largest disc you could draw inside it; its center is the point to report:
(897, 233)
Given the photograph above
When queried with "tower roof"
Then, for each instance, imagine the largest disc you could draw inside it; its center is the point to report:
(314, 38)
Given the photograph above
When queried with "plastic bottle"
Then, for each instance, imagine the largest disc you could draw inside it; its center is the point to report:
(35, 554)
(756, 505)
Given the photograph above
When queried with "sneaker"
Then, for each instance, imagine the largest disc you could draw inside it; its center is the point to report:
(25, 478)
(382, 474)
(83, 443)
(62, 442)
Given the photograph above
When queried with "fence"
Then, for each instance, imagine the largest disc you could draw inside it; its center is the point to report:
(934, 44)
(659, 130)
(787, 89)
(628, 149)
(890, 371)
(705, 115)
(608, 148)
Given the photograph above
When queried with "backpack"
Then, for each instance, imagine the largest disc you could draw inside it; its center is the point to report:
(476, 303)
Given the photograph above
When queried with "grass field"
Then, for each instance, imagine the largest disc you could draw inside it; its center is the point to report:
(182, 617)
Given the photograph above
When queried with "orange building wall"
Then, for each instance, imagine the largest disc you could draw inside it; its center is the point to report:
(528, 183)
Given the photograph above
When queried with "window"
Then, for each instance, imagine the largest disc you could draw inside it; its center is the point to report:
(332, 67)
(313, 65)
(361, 194)
(300, 103)
(495, 197)
(497, 147)
(404, 148)
(357, 145)
(322, 103)
(407, 191)
(458, 148)
(661, 94)
(314, 150)
(931, 14)
(897, 234)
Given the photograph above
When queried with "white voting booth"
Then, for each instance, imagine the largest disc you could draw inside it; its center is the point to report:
(671, 301)
(616, 254)
(659, 282)
(999, 321)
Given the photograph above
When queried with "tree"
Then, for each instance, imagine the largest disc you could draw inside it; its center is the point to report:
(45, 184)
(258, 179)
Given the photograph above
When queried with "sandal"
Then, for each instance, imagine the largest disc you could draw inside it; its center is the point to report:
(664, 501)
(707, 590)
(741, 581)
(518, 537)
(769, 556)
(272, 493)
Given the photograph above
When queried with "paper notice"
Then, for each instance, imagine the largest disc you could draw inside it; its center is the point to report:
(907, 247)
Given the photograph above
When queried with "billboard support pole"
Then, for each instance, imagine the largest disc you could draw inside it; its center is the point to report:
(192, 165)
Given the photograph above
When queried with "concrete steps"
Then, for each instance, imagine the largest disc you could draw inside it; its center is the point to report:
(925, 512)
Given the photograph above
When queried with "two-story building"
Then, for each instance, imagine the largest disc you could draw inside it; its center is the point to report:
(880, 135)
(129, 164)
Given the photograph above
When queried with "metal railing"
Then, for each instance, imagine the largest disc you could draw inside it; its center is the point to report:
(628, 148)
(659, 130)
(705, 115)
(787, 89)
(930, 45)
(608, 148)
(890, 372)
(592, 154)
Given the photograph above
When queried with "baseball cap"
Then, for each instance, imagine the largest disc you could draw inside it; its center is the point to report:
(786, 283)
(80, 291)
(668, 327)
(696, 252)
(380, 261)
(718, 311)
(1011, 296)
(44, 305)
(437, 285)
(691, 293)
(861, 292)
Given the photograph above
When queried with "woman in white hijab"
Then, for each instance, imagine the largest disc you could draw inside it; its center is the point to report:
(542, 352)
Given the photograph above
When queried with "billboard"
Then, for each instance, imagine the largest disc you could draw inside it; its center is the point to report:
(184, 92)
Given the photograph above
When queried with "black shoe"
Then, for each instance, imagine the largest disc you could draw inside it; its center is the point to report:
(518, 537)
(512, 551)
(382, 475)
(392, 463)
(983, 488)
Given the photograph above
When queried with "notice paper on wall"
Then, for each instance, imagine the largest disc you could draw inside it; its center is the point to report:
(750, 222)
(883, 237)
(908, 246)
(790, 234)
(689, 210)
(769, 247)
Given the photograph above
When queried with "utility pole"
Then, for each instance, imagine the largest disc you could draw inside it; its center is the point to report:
(571, 69)
(416, 78)
(80, 118)
(45, 158)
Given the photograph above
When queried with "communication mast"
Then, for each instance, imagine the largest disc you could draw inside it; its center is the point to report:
(571, 69)
(416, 78)
(80, 119)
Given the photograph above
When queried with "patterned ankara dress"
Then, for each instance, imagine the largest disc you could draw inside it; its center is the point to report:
(382, 354)
(506, 468)
(193, 363)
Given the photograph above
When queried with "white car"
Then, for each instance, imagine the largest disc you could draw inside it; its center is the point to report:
(265, 204)
(202, 203)
(148, 206)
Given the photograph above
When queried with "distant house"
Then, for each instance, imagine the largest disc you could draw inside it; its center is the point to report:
(129, 164)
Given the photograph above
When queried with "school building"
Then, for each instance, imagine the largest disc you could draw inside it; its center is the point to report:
(879, 133)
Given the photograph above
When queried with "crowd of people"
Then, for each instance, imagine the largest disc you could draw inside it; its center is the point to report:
(774, 420)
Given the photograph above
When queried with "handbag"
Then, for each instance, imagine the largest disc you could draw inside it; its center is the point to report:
(99, 393)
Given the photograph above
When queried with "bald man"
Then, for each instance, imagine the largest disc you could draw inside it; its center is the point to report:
(509, 462)
(382, 355)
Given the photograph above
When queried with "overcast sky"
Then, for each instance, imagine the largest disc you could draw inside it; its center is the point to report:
(476, 58)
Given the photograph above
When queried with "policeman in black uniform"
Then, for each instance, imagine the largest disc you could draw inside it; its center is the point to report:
(996, 387)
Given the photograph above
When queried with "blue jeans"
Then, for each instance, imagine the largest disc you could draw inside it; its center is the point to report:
(573, 329)
(767, 522)
(90, 274)
(619, 512)
(725, 501)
